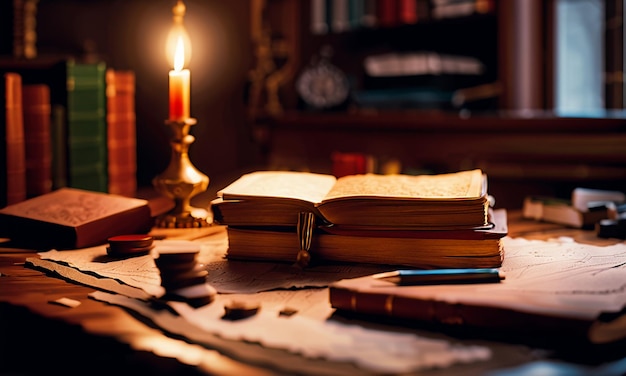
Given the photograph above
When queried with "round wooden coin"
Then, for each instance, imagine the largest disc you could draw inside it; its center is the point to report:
(177, 281)
(129, 245)
(130, 241)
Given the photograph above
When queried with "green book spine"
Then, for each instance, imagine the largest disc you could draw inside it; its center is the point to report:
(86, 126)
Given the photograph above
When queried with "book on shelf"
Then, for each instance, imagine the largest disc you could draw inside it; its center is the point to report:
(565, 290)
(86, 126)
(585, 199)
(356, 11)
(121, 132)
(18, 21)
(451, 9)
(387, 13)
(319, 22)
(275, 198)
(352, 163)
(50, 71)
(340, 16)
(70, 218)
(407, 11)
(427, 249)
(370, 14)
(38, 144)
(13, 154)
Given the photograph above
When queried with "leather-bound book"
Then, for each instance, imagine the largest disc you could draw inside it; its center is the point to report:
(70, 218)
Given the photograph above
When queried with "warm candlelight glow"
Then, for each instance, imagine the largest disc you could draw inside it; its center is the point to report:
(179, 80)
(179, 55)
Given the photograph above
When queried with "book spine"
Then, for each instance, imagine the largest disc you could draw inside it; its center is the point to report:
(386, 305)
(86, 126)
(407, 11)
(18, 27)
(30, 30)
(423, 10)
(356, 9)
(121, 132)
(15, 167)
(318, 17)
(340, 16)
(430, 311)
(349, 164)
(370, 14)
(485, 6)
(454, 9)
(387, 13)
(59, 146)
(37, 117)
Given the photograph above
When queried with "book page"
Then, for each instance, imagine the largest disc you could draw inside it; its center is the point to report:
(280, 184)
(460, 185)
(227, 276)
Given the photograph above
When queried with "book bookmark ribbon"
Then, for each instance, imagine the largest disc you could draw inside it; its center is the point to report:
(306, 222)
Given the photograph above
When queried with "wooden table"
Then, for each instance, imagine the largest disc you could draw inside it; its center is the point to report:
(37, 336)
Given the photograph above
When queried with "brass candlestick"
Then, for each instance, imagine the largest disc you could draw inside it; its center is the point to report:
(181, 181)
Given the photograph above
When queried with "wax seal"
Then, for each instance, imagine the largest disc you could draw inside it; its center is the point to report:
(129, 245)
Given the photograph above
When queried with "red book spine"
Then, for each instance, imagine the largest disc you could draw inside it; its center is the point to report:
(38, 144)
(407, 11)
(121, 132)
(14, 139)
(387, 12)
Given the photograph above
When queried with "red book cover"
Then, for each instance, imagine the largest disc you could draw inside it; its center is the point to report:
(407, 11)
(71, 218)
(387, 12)
(14, 178)
(37, 118)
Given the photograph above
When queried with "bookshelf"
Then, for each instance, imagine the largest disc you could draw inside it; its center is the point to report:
(524, 151)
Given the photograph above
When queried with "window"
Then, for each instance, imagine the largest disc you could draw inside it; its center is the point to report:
(580, 57)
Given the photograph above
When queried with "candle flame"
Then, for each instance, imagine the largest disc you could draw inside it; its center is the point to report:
(179, 54)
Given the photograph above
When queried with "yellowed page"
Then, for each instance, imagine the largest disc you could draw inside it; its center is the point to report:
(281, 184)
(459, 185)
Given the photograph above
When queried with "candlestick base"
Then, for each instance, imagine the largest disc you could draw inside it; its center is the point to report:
(181, 181)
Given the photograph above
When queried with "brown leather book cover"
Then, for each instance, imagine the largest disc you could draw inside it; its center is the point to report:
(553, 288)
(360, 298)
(14, 155)
(38, 144)
(121, 132)
(70, 218)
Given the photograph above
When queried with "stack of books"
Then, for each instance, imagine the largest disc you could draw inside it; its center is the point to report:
(584, 209)
(423, 221)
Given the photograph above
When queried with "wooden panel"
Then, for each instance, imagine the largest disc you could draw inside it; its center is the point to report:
(521, 156)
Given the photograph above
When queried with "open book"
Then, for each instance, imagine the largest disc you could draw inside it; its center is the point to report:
(443, 201)
(552, 288)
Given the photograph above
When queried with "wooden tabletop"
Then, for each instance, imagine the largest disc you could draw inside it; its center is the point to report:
(38, 336)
